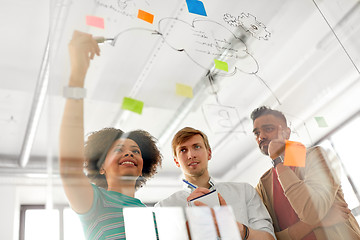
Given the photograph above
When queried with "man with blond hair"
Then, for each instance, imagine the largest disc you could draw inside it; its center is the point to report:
(192, 153)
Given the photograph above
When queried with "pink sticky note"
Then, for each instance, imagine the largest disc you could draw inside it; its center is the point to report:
(95, 21)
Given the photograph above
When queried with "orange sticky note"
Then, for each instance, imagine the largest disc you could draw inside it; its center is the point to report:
(95, 21)
(295, 154)
(148, 17)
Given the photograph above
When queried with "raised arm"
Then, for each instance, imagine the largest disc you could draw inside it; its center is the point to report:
(78, 190)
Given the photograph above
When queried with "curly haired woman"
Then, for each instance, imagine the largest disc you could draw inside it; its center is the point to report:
(100, 177)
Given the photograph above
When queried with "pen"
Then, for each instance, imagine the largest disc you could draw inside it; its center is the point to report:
(103, 39)
(190, 184)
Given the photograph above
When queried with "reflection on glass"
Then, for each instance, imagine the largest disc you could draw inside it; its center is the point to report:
(72, 226)
(42, 224)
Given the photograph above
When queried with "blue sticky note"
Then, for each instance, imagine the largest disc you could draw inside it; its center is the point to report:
(196, 7)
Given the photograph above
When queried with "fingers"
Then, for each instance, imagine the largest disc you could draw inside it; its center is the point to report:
(344, 214)
(345, 211)
(197, 193)
(221, 200)
(342, 206)
(280, 133)
(95, 47)
(215, 222)
(241, 228)
(84, 42)
(276, 148)
(200, 204)
(92, 54)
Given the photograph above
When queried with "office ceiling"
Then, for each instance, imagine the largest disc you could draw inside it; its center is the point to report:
(301, 57)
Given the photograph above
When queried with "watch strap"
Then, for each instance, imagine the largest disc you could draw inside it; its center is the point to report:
(74, 92)
(277, 160)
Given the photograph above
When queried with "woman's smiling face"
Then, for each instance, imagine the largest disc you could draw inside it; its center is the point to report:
(124, 158)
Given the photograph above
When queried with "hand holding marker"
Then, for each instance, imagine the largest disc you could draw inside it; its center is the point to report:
(211, 198)
(100, 40)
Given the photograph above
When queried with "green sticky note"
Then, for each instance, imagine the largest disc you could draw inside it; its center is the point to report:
(132, 105)
(184, 90)
(321, 122)
(221, 65)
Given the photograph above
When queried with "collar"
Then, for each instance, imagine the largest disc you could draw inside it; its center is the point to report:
(189, 188)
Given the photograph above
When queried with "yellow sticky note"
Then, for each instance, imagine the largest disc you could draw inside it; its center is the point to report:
(221, 65)
(184, 90)
(148, 17)
(132, 105)
(295, 154)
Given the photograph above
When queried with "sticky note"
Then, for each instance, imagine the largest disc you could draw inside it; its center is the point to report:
(196, 7)
(132, 105)
(321, 122)
(95, 21)
(148, 17)
(221, 65)
(295, 154)
(184, 90)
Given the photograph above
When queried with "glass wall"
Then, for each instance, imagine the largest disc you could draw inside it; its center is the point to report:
(162, 66)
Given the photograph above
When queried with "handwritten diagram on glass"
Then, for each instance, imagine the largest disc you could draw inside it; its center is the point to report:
(215, 46)
(222, 119)
(249, 23)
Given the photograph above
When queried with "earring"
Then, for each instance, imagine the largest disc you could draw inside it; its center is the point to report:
(102, 171)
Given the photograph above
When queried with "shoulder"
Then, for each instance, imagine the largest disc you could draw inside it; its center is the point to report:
(242, 189)
(98, 191)
(239, 194)
(235, 185)
(324, 161)
(318, 155)
(266, 175)
(264, 179)
(265, 182)
(176, 199)
(315, 150)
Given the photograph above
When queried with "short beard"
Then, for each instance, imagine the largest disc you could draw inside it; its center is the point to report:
(197, 174)
(264, 151)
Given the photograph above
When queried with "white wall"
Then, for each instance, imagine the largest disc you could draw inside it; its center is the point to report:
(8, 212)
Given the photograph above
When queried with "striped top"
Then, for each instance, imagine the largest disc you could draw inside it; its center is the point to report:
(105, 218)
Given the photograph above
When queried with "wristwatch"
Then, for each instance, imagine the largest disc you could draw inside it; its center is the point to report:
(74, 92)
(277, 160)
